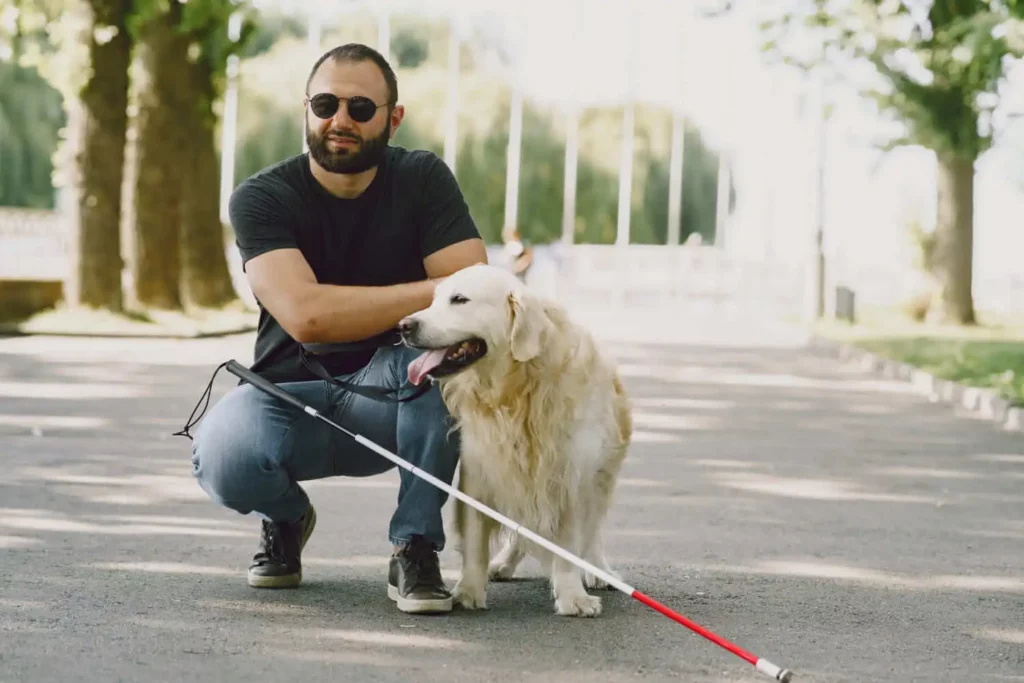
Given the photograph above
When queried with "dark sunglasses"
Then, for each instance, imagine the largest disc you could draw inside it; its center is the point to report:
(360, 109)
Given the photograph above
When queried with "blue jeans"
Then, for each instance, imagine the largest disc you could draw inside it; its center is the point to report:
(251, 450)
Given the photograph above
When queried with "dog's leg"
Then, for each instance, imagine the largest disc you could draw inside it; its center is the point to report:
(595, 556)
(596, 509)
(475, 531)
(505, 563)
(571, 598)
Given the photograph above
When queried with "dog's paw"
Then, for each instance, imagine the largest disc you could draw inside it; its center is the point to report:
(469, 597)
(498, 571)
(579, 606)
(595, 583)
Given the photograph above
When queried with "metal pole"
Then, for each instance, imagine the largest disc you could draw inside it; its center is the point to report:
(815, 287)
(314, 29)
(515, 136)
(571, 161)
(722, 199)
(626, 175)
(384, 33)
(229, 126)
(572, 138)
(451, 133)
(675, 180)
(673, 234)
(819, 220)
(626, 155)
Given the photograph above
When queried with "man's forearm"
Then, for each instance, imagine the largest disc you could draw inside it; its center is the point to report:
(336, 314)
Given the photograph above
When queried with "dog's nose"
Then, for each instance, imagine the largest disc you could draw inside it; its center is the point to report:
(408, 326)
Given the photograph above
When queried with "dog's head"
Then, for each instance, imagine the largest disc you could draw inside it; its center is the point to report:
(479, 314)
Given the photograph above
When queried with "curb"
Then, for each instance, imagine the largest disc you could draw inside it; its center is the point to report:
(15, 332)
(983, 403)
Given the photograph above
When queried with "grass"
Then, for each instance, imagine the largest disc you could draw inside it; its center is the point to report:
(989, 355)
(146, 323)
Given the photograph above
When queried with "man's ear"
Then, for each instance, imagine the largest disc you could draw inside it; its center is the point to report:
(529, 327)
(396, 114)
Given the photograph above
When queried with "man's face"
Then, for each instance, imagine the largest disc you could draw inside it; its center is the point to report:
(339, 144)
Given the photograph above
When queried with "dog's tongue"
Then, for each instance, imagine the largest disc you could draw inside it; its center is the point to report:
(424, 363)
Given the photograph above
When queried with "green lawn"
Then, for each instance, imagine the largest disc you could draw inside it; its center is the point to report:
(989, 355)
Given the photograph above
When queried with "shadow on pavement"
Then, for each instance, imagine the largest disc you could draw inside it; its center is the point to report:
(832, 522)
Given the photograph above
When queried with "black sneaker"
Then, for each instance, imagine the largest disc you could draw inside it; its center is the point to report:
(278, 564)
(414, 579)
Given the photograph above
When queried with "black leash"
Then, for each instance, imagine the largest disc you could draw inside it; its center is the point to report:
(376, 393)
(306, 355)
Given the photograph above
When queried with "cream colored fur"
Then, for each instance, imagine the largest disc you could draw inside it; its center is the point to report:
(545, 425)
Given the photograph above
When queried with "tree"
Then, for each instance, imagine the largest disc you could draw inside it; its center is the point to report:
(938, 68)
(102, 119)
(206, 279)
(163, 161)
(180, 247)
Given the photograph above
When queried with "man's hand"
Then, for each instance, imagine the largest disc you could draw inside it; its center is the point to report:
(311, 312)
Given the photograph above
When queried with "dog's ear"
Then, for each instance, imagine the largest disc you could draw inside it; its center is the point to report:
(529, 325)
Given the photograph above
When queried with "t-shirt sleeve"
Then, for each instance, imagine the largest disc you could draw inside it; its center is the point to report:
(260, 221)
(446, 218)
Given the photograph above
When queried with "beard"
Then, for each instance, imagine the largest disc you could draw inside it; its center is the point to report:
(365, 155)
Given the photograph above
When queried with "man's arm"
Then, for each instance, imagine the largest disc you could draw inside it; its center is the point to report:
(311, 312)
(447, 260)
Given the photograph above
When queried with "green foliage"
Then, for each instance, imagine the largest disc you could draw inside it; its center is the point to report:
(940, 69)
(206, 24)
(268, 30)
(409, 49)
(270, 129)
(276, 59)
(31, 116)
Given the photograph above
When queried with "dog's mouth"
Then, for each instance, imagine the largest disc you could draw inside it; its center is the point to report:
(446, 360)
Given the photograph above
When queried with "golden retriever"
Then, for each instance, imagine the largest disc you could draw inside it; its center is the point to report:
(545, 425)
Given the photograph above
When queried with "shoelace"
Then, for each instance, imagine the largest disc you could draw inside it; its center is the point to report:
(274, 546)
(426, 565)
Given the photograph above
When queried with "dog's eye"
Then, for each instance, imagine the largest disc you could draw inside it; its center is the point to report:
(458, 299)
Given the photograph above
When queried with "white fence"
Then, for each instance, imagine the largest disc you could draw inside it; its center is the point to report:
(667, 279)
(36, 245)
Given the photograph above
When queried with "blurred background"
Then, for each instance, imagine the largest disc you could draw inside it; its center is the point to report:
(855, 166)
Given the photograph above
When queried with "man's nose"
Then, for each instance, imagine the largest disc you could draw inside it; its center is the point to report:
(341, 120)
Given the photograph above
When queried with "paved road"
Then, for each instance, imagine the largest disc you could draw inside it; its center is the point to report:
(833, 523)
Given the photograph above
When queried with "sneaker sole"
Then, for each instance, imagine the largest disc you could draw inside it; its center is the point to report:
(410, 606)
(286, 580)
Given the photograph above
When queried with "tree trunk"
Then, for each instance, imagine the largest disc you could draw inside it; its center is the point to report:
(162, 161)
(954, 240)
(103, 120)
(205, 276)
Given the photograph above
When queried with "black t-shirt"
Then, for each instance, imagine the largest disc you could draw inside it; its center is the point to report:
(412, 208)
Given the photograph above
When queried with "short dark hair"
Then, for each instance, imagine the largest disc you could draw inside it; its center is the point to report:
(357, 52)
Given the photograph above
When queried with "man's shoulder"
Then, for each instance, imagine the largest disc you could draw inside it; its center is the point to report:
(413, 164)
(278, 179)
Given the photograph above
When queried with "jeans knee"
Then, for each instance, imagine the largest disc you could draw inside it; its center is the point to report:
(230, 454)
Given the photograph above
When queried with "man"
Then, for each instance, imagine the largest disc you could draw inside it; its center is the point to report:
(338, 246)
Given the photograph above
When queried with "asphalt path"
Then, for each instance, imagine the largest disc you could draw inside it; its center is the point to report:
(831, 522)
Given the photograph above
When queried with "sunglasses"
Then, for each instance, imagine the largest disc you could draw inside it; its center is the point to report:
(360, 109)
